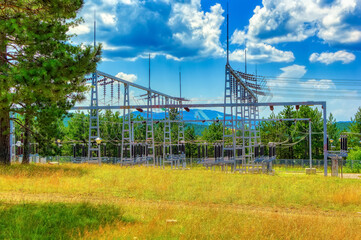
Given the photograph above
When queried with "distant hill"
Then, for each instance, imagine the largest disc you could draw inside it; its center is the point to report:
(344, 126)
(201, 114)
(193, 114)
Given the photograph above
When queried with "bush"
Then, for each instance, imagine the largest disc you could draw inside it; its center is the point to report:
(355, 166)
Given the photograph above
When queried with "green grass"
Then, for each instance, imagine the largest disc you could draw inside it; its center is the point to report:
(53, 220)
(47, 202)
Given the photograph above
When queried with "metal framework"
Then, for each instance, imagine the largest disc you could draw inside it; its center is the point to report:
(94, 132)
(222, 105)
(241, 134)
(153, 98)
(12, 139)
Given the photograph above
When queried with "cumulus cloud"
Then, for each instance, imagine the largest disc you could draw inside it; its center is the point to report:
(323, 84)
(293, 72)
(127, 77)
(335, 22)
(108, 19)
(176, 29)
(261, 52)
(204, 27)
(329, 57)
(80, 29)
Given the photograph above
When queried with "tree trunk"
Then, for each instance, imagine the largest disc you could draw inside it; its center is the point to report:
(27, 126)
(4, 137)
(4, 112)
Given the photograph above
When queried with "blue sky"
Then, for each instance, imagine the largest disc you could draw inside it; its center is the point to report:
(309, 50)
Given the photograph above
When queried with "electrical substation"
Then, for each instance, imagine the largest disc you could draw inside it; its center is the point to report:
(240, 149)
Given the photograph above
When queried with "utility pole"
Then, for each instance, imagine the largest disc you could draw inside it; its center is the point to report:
(149, 70)
(227, 33)
(310, 141)
(93, 145)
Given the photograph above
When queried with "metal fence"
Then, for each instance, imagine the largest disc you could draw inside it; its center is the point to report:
(300, 164)
(288, 165)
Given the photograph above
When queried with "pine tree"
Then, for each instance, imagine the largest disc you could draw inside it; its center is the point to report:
(332, 130)
(39, 69)
(355, 128)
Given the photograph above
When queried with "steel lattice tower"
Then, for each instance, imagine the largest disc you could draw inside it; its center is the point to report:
(241, 123)
(127, 138)
(93, 147)
(167, 131)
(150, 127)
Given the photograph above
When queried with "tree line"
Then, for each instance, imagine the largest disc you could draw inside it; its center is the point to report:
(291, 137)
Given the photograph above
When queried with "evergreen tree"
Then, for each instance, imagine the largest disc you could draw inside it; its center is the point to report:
(39, 69)
(355, 128)
(213, 133)
(332, 130)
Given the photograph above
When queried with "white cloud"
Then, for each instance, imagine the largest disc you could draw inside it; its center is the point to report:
(114, 2)
(127, 77)
(238, 37)
(328, 57)
(261, 52)
(108, 19)
(293, 21)
(176, 29)
(293, 72)
(79, 30)
(203, 28)
(257, 51)
(323, 84)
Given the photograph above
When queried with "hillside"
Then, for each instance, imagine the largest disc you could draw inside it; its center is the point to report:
(344, 126)
(200, 114)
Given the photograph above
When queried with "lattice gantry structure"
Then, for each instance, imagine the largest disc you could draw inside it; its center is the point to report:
(132, 152)
(241, 133)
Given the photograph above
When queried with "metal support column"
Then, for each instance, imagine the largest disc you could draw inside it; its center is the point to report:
(325, 152)
(310, 141)
(127, 140)
(228, 121)
(180, 125)
(12, 138)
(93, 147)
(167, 131)
(150, 128)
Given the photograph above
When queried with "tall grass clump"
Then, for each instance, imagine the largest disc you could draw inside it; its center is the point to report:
(37, 170)
(54, 220)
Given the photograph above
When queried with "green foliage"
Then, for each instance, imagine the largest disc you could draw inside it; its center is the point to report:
(356, 122)
(294, 135)
(332, 129)
(354, 154)
(343, 126)
(41, 72)
(213, 133)
(355, 128)
(53, 220)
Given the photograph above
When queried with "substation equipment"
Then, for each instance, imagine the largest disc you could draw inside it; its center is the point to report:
(337, 156)
(240, 148)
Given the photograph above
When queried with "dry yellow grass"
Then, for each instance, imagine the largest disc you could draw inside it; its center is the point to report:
(205, 204)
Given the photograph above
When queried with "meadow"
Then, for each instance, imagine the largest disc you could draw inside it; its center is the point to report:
(112, 202)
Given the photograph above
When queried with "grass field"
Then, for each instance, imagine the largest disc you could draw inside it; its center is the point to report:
(112, 202)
